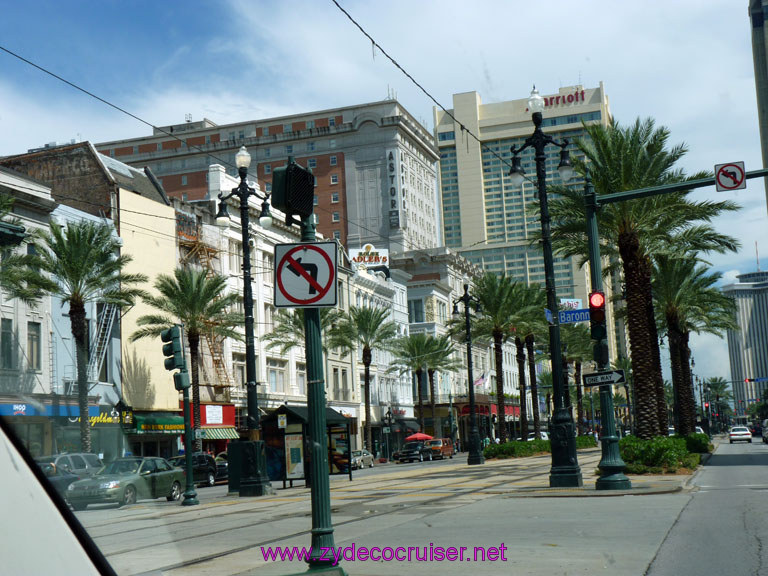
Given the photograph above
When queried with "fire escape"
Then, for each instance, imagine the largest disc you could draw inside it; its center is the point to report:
(192, 239)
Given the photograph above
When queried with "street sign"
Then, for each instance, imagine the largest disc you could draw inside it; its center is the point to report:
(305, 275)
(568, 316)
(385, 430)
(730, 176)
(601, 378)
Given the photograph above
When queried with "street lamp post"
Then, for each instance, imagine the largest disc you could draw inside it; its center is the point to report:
(565, 471)
(253, 469)
(475, 454)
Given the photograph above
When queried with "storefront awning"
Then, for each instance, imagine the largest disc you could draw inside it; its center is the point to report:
(158, 423)
(221, 433)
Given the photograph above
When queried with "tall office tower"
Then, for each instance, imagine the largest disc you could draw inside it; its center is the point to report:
(485, 218)
(374, 165)
(748, 345)
(757, 13)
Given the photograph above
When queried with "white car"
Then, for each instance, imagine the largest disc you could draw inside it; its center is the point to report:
(532, 436)
(739, 433)
(361, 458)
(700, 430)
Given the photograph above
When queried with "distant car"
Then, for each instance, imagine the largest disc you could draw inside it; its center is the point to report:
(59, 478)
(739, 434)
(700, 430)
(203, 467)
(81, 464)
(361, 458)
(411, 451)
(671, 431)
(532, 436)
(126, 480)
(222, 466)
(441, 447)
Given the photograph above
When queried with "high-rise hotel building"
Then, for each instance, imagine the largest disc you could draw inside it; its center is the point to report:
(375, 167)
(485, 217)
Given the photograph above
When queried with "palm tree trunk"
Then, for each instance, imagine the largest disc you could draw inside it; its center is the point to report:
(637, 278)
(420, 393)
(501, 417)
(529, 341)
(194, 355)
(431, 376)
(367, 357)
(521, 371)
(77, 321)
(579, 399)
(687, 398)
(657, 375)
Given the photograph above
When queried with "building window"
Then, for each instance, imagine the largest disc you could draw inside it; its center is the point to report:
(301, 379)
(336, 217)
(6, 343)
(276, 374)
(238, 368)
(334, 178)
(310, 124)
(312, 163)
(268, 186)
(334, 198)
(267, 168)
(183, 180)
(310, 146)
(235, 256)
(346, 392)
(33, 346)
(332, 143)
(336, 235)
(269, 317)
(314, 200)
(331, 121)
(159, 146)
(241, 135)
(289, 149)
(415, 311)
(333, 161)
(287, 127)
(267, 152)
(269, 267)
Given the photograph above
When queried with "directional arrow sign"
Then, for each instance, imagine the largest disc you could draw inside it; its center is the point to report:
(601, 378)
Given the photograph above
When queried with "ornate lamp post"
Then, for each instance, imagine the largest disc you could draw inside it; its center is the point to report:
(565, 471)
(475, 454)
(254, 480)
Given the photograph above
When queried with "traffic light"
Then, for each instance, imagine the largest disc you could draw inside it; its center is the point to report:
(749, 379)
(181, 380)
(293, 190)
(172, 349)
(706, 404)
(598, 330)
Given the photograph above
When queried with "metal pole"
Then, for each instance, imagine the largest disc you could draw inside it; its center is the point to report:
(190, 496)
(475, 454)
(320, 489)
(611, 465)
(565, 471)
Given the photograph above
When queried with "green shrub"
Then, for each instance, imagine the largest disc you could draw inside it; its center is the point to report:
(516, 449)
(587, 441)
(658, 452)
(635, 468)
(655, 470)
(698, 443)
(691, 461)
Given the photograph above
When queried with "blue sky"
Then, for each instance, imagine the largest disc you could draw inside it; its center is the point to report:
(687, 63)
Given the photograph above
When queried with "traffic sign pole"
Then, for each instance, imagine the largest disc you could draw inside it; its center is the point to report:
(611, 465)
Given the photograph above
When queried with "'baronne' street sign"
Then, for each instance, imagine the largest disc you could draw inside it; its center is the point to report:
(601, 378)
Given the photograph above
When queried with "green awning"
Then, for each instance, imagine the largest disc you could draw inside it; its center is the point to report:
(159, 423)
(222, 433)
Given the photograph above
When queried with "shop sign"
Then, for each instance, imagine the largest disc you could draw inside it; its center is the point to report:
(214, 414)
(370, 255)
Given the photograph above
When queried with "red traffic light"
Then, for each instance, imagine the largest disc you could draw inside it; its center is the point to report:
(596, 300)
(706, 404)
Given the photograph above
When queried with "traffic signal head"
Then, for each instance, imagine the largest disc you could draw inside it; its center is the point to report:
(172, 349)
(706, 404)
(293, 189)
(181, 380)
(597, 315)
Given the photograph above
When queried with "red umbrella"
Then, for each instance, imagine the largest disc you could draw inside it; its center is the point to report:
(418, 436)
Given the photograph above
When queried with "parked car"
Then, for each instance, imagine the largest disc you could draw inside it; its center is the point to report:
(441, 447)
(203, 467)
(80, 463)
(739, 434)
(414, 451)
(126, 480)
(361, 458)
(222, 466)
(59, 478)
(700, 430)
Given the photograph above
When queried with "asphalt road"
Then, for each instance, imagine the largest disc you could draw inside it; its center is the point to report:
(723, 529)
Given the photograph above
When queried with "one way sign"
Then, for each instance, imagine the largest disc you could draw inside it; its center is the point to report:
(305, 275)
(602, 378)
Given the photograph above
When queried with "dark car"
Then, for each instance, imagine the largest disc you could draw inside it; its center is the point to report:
(203, 467)
(81, 464)
(126, 480)
(59, 477)
(222, 466)
(414, 451)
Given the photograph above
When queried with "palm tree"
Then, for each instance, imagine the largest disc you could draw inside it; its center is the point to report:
(534, 323)
(505, 305)
(439, 358)
(17, 275)
(628, 158)
(288, 331)
(720, 396)
(80, 264)
(199, 302)
(686, 299)
(370, 329)
(411, 353)
(578, 350)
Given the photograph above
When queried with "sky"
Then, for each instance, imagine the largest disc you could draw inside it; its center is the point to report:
(687, 64)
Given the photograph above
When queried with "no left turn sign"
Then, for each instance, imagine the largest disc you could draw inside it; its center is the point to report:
(305, 275)
(730, 176)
